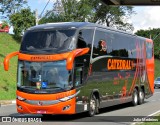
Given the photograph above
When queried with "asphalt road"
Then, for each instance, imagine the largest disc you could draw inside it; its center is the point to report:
(124, 114)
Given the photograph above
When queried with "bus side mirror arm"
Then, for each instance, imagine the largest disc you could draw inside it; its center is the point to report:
(7, 59)
(73, 54)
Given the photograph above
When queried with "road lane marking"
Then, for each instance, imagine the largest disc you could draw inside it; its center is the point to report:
(154, 113)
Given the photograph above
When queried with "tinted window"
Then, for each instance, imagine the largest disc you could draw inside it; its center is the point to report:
(101, 42)
(113, 43)
(51, 41)
(85, 38)
(132, 49)
(122, 45)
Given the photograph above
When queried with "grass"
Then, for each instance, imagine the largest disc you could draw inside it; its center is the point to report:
(8, 79)
(157, 68)
(149, 123)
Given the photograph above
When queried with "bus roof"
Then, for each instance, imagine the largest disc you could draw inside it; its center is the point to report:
(77, 25)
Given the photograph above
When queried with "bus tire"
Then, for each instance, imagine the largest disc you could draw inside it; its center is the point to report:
(135, 97)
(92, 106)
(141, 97)
(98, 105)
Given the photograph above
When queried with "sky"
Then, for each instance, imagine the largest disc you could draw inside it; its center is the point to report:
(146, 16)
(40, 5)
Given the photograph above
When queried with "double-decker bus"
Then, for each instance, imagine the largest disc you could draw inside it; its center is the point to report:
(73, 67)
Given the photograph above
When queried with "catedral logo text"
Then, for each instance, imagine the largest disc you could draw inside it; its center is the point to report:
(118, 64)
(41, 58)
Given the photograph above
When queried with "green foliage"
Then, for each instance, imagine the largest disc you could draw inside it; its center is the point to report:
(22, 20)
(77, 10)
(155, 35)
(112, 16)
(71, 10)
(11, 6)
(4, 24)
(92, 11)
(157, 68)
(51, 17)
(8, 78)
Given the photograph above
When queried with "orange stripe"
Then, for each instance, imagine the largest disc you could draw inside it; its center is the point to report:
(42, 58)
(73, 54)
(150, 70)
(7, 58)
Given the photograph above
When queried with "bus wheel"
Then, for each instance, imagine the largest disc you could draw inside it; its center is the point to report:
(140, 97)
(135, 97)
(92, 106)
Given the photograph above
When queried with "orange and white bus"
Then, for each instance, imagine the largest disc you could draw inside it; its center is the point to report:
(68, 68)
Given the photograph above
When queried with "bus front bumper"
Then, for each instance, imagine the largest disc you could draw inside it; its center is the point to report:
(67, 107)
(58, 103)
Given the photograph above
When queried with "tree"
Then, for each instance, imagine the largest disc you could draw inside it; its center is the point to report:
(11, 6)
(155, 35)
(52, 17)
(68, 11)
(4, 24)
(77, 10)
(92, 11)
(22, 20)
(112, 16)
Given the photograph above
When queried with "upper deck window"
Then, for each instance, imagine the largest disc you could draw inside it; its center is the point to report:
(50, 41)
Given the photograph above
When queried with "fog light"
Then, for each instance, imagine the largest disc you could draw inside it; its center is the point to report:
(20, 107)
(66, 107)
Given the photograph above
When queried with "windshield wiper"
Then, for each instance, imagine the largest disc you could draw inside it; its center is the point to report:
(28, 87)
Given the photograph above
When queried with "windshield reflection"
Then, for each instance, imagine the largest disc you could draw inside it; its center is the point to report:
(47, 41)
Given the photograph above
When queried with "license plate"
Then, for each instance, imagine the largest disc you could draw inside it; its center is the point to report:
(41, 112)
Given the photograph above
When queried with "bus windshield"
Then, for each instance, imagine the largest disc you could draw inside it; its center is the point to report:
(48, 77)
(48, 41)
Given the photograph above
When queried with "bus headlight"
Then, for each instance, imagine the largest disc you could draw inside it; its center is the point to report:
(64, 99)
(20, 98)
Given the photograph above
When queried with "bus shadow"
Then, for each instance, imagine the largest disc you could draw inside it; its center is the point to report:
(117, 107)
(83, 117)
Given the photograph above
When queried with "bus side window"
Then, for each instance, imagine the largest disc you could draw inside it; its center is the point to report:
(85, 37)
(149, 50)
(101, 41)
(78, 76)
